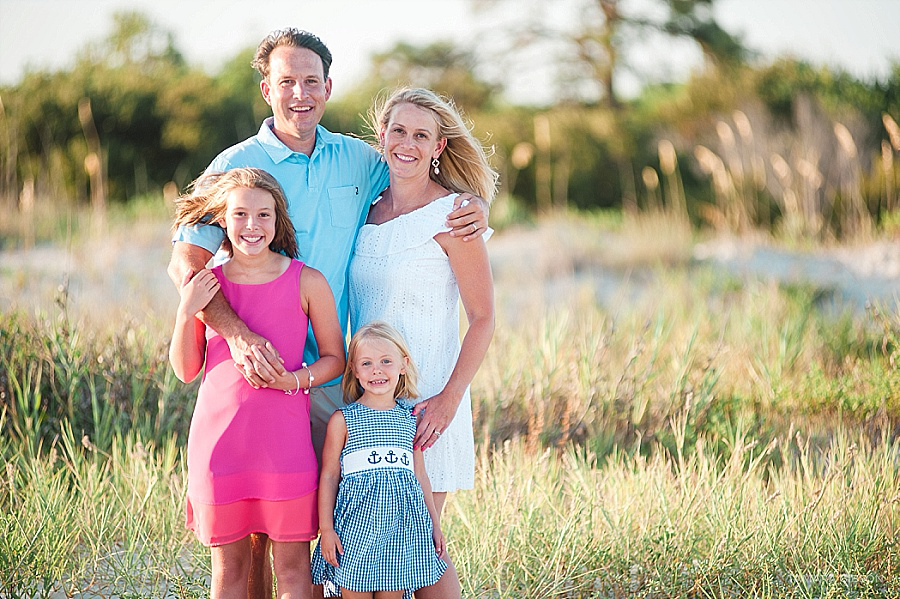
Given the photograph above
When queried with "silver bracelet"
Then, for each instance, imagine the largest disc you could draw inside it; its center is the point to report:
(295, 392)
(311, 377)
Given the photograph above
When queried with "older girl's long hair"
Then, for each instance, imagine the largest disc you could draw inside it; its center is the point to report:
(207, 203)
(464, 165)
(378, 330)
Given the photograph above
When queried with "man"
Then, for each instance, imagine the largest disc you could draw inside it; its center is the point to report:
(330, 180)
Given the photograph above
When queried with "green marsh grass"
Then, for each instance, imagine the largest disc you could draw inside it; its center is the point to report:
(709, 436)
(716, 352)
(566, 523)
(81, 521)
(552, 523)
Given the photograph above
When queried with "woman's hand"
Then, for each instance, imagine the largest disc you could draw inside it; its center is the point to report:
(196, 291)
(434, 420)
(331, 547)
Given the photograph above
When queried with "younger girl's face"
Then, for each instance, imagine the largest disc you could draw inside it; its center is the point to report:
(250, 220)
(377, 366)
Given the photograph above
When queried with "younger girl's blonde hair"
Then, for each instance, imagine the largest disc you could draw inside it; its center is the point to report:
(377, 330)
(207, 203)
(464, 165)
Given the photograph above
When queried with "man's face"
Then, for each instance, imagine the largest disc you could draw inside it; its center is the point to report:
(297, 90)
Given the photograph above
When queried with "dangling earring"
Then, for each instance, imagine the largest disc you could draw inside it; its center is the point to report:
(382, 155)
(436, 165)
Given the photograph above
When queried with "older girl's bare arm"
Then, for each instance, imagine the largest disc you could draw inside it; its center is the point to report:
(188, 346)
(319, 304)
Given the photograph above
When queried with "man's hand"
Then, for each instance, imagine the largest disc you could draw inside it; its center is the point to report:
(469, 218)
(256, 359)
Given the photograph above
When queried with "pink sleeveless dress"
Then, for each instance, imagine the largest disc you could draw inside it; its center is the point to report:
(251, 466)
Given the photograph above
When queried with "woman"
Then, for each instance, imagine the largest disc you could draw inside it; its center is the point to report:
(407, 270)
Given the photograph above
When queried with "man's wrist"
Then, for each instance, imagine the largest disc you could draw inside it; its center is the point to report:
(234, 331)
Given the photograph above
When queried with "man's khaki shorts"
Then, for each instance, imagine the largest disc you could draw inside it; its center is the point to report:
(324, 401)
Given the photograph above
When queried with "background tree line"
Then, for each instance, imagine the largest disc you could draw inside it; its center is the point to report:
(737, 145)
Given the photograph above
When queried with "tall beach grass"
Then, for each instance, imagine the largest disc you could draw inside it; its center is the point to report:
(696, 435)
(553, 523)
(709, 437)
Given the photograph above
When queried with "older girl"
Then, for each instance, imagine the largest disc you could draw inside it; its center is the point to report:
(251, 466)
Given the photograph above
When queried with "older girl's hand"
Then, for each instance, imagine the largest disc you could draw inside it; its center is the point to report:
(435, 415)
(196, 291)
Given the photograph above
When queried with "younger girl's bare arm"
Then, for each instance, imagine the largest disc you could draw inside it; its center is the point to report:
(440, 543)
(329, 480)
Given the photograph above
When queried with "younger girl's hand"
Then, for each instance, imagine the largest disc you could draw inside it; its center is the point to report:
(440, 542)
(196, 291)
(331, 547)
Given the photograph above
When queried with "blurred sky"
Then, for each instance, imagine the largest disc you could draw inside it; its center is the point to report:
(858, 35)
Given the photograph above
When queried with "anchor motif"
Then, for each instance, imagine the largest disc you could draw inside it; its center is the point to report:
(374, 458)
(404, 459)
(391, 457)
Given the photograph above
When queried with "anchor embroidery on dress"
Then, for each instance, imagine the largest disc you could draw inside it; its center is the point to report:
(376, 457)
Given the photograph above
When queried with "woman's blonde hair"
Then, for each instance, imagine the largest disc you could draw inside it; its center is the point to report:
(378, 330)
(464, 165)
(207, 203)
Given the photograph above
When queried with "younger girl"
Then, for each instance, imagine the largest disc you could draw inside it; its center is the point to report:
(385, 537)
(237, 486)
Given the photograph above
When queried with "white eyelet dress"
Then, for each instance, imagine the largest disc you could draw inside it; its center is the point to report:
(380, 514)
(401, 275)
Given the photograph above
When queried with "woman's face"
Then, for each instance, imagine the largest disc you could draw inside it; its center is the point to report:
(250, 220)
(411, 140)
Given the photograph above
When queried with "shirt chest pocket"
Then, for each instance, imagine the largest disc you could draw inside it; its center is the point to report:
(345, 206)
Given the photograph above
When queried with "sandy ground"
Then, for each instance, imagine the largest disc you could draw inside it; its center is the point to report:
(557, 264)
(564, 262)
(121, 276)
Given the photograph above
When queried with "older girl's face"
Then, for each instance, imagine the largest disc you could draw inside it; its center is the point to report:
(250, 220)
(411, 140)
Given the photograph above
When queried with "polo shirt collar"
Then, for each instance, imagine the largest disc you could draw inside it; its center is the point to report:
(279, 152)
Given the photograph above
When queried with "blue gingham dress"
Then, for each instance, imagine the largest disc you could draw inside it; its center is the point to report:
(380, 514)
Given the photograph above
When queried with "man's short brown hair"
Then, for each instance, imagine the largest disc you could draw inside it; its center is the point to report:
(296, 38)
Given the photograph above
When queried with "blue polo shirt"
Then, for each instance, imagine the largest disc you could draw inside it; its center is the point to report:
(328, 195)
